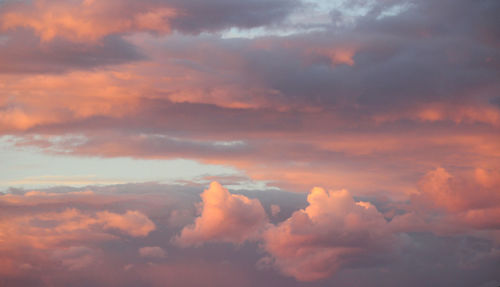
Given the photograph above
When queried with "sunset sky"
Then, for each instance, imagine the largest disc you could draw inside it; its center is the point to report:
(249, 143)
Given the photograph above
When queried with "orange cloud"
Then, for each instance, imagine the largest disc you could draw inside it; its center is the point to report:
(331, 232)
(336, 55)
(453, 112)
(52, 99)
(440, 189)
(224, 217)
(461, 203)
(84, 21)
(466, 113)
(50, 229)
(132, 222)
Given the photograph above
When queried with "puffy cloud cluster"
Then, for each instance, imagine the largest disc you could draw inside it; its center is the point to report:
(459, 203)
(335, 232)
(43, 230)
(47, 230)
(335, 239)
(224, 217)
(332, 232)
(132, 222)
(467, 191)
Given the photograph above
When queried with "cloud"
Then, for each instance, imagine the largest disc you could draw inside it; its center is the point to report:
(59, 56)
(89, 21)
(132, 222)
(275, 209)
(35, 197)
(441, 190)
(283, 95)
(75, 257)
(332, 238)
(83, 21)
(47, 229)
(224, 217)
(461, 203)
(331, 233)
(372, 102)
(152, 252)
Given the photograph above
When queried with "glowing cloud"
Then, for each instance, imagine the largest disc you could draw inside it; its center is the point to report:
(224, 217)
(332, 232)
(132, 222)
(84, 21)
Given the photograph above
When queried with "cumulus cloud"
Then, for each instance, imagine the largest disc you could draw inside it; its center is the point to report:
(335, 238)
(465, 191)
(48, 229)
(332, 232)
(454, 203)
(132, 222)
(224, 217)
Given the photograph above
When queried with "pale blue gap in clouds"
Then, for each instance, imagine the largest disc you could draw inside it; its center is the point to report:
(31, 168)
(315, 15)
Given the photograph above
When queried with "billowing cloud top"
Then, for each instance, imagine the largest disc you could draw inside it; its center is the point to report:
(224, 217)
(331, 232)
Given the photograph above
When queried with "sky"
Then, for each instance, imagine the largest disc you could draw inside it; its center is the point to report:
(249, 143)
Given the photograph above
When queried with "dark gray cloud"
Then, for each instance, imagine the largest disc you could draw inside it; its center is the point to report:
(431, 52)
(217, 15)
(22, 52)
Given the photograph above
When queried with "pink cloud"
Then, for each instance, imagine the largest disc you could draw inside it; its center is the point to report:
(132, 222)
(224, 217)
(49, 229)
(332, 232)
(84, 21)
(34, 197)
(466, 191)
(451, 204)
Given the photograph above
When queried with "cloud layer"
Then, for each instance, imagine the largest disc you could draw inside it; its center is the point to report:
(400, 93)
(328, 237)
